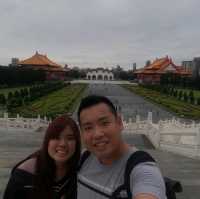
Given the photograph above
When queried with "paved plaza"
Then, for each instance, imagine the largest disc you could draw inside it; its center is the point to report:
(128, 103)
(14, 146)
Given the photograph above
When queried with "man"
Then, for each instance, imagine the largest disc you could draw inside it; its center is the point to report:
(103, 171)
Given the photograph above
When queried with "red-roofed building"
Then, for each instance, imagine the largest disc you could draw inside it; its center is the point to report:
(151, 74)
(41, 62)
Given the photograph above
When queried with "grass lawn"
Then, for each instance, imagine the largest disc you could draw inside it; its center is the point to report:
(181, 108)
(58, 102)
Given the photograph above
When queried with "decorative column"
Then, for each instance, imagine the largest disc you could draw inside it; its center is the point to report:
(198, 143)
(137, 118)
(150, 117)
(5, 115)
(158, 136)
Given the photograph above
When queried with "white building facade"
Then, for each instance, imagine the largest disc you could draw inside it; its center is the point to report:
(100, 74)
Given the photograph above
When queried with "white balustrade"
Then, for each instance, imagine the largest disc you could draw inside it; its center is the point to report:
(32, 124)
(171, 135)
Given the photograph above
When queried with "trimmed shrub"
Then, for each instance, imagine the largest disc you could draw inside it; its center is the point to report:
(191, 97)
(2, 99)
(198, 101)
(180, 95)
(185, 97)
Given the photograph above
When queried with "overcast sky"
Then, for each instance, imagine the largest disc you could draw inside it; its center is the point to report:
(93, 33)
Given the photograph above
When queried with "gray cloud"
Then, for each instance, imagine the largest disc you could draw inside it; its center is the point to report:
(100, 32)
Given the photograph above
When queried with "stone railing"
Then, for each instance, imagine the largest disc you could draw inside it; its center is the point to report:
(20, 123)
(170, 135)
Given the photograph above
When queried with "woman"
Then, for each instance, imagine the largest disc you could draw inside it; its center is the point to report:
(51, 171)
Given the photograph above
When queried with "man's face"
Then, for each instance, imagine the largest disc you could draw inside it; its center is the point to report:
(101, 131)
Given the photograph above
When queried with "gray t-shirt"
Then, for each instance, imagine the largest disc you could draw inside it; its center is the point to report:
(145, 178)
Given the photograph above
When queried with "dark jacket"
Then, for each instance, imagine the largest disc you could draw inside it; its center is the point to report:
(20, 186)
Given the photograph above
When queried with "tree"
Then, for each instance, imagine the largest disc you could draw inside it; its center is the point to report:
(185, 97)
(198, 101)
(10, 96)
(191, 97)
(26, 92)
(180, 95)
(2, 99)
(175, 93)
(17, 94)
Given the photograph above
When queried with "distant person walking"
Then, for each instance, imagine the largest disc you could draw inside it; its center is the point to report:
(49, 173)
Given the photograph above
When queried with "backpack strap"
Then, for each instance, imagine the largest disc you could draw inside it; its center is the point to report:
(172, 186)
(83, 158)
(134, 159)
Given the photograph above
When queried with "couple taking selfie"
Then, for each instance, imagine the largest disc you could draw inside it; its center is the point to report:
(59, 170)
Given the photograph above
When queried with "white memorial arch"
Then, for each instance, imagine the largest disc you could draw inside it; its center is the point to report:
(100, 74)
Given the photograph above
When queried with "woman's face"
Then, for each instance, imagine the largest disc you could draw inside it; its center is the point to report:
(62, 148)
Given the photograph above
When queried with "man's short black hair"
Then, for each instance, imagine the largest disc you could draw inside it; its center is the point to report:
(92, 100)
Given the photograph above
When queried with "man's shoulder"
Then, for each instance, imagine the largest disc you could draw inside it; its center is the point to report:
(139, 159)
(88, 159)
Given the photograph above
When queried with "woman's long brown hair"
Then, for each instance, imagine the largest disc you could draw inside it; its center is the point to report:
(45, 167)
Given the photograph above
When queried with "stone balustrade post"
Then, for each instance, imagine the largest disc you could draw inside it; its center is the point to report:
(17, 121)
(38, 118)
(137, 118)
(130, 124)
(122, 117)
(198, 143)
(138, 121)
(150, 117)
(5, 115)
(158, 136)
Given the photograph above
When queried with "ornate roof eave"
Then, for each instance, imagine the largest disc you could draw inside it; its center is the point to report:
(43, 68)
(39, 59)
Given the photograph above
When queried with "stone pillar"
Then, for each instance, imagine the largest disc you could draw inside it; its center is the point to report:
(17, 124)
(149, 117)
(137, 118)
(38, 121)
(38, 118)
(130, 124)
(5, 115)
(198, 143)
(158, 134)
